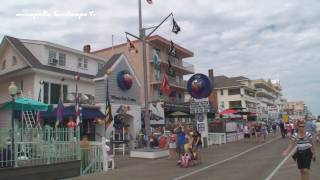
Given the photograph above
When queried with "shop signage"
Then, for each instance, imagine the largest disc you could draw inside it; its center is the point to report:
(199, 107)
(123, 98)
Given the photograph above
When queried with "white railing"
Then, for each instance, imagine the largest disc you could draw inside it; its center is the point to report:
(232, 137)
(216, 138)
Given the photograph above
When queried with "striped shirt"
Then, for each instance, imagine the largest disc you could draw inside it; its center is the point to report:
(304, 142)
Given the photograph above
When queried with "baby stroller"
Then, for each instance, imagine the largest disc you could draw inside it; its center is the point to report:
(188, 159)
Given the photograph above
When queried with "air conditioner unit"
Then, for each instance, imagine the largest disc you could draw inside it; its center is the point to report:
(53, 61)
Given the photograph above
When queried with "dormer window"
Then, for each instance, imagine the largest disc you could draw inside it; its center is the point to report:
(55, 58)
(14, 60)
(82, 63)
(62, 59)
(52, 57)
(85, 63)
(3, 66)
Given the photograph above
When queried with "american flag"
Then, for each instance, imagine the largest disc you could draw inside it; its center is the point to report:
(59, 112)
(108, 108)
(77, 104)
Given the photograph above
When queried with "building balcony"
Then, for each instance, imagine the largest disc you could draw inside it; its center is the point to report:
(260, 83)
(183, 67)
(173, 83)
(264, 92)
(266, 100)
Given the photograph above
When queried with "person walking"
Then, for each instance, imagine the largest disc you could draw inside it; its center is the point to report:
(274, 128)
(282, 129)
(305, 151)
(197, 145)
(172, 145)
(246, 132)
(181, 141)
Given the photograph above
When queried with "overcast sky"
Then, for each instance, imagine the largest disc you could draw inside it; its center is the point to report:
(276, 39)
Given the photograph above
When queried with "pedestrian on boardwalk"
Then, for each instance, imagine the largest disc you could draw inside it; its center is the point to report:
(264, 132)
(197, 145)
(172, 145)
(274, 128)
(181, 141)
(282, 129)
(305, 151)
(253, 132)
(246, 132)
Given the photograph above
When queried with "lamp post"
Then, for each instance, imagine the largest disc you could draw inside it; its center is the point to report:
(143, 38)
(13, 92)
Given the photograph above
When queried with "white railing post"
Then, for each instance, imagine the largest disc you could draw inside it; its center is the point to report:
(104, 154)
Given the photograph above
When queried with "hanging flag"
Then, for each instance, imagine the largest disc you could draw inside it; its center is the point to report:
(77, 103)
(165, 87)
(170, 69)
(131, 47)
(175, 27)
(109, 118)
(77, 76)
(149, 1)
(172, 50)
(59, 112)
(38, 112)
(156, 59)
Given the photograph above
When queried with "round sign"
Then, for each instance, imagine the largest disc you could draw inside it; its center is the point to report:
(124, 80)
(199, 86)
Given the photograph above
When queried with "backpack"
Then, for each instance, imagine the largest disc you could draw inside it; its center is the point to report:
(185, 160)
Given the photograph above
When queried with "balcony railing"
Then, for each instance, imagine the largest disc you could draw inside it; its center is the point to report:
(266, 92)
(266, 100)
(177, 63)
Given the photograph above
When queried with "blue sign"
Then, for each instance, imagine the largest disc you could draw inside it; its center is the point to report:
(199, 86)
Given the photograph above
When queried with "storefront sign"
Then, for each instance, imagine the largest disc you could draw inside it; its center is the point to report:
(199, 107)
(123, 98)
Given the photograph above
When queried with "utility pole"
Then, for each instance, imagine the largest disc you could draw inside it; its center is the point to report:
(143, 38)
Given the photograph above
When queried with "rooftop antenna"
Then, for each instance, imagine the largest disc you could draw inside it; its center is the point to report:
(112, 36)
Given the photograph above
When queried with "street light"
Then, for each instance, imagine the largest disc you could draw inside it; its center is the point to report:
(13, 90)
(143, 38)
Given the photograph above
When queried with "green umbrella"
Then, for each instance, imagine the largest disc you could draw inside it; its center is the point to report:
(179, 114)
(27, 104)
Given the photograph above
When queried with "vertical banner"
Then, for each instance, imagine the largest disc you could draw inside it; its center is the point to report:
(156, 113)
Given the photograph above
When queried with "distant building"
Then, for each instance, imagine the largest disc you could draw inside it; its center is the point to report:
(296, 110)
(269, 98)
(235, 92)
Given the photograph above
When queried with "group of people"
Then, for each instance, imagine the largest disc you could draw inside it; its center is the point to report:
(255, 132)
(183, 142)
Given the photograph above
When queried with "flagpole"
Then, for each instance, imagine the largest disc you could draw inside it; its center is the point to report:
(142, 35)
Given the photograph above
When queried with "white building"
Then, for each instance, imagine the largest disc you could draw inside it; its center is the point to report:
(235, 92)
(269, 98)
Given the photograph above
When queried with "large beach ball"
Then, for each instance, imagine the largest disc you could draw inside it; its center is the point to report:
(124, 80)
(199, 86)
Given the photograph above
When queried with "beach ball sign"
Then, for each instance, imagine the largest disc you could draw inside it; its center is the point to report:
(199, 86)
(124, 80)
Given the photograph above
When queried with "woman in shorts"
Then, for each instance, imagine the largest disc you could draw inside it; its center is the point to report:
(305, 151)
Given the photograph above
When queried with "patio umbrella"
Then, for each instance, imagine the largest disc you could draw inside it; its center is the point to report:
(179, 114)
(229, 112)
(27, 104)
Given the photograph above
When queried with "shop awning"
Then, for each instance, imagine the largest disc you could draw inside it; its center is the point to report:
(69, 111)
(179, 114)
(27, 104)
(229, 112)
